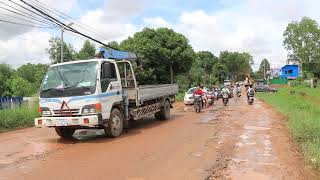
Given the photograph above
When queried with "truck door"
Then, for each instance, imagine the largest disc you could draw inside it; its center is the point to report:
(111, 90)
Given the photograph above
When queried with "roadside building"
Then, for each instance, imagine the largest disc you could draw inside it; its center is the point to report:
(290, 71)
(275, 73)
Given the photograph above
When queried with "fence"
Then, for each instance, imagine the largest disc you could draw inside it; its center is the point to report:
(10, 102)
(278, 81)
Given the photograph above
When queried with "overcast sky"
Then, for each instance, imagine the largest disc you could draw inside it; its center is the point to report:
(254, 26)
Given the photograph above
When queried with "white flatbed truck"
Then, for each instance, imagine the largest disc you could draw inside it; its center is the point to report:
(100, 94)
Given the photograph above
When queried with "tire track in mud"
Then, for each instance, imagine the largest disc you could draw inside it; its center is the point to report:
(225, 137)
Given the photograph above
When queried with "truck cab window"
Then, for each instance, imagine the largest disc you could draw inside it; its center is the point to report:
(108, 75)
(126, 75)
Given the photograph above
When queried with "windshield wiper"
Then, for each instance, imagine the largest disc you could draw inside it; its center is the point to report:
(76, 86)
(49, 89)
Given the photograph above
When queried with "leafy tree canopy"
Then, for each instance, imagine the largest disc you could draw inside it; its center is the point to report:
(159, 49)
(302, 39)
(54, 51)
(87, 51)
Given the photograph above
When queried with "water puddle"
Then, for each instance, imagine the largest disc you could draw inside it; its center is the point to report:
(257, 128)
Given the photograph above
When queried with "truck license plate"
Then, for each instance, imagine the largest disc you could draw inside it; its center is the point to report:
(61, 122)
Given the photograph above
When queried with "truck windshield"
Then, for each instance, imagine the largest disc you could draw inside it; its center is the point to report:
(70, 80)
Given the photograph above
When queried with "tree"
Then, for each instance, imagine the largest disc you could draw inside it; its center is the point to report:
(264, 68)
(55, 51)
(114, 44)
(159, 49)
(33, 73)
(238, 64)
(87, 51)
(21, 87)
(220, 71)
(206, 60)
(6, 72)
(302, 39)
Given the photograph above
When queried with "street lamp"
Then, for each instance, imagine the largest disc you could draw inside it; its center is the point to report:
(62, 29)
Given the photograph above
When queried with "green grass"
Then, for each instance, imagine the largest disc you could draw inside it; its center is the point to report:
(180, 96)
(17, 118)
(303, 113)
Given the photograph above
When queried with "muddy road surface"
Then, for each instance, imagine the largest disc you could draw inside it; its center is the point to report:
(234, 142)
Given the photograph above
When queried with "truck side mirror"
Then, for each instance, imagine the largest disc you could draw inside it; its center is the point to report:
(109, 71)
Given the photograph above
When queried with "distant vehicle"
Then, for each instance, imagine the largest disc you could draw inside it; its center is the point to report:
(250, 98)
(188, 97)
(225, 99)
(261, 82)
(227, 83)
(240, 83)
(231, 91)
(264, 88)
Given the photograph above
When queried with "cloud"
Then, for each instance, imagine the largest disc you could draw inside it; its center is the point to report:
(28, 47)
(252, 26)
(112, 22)
(107, 30)
(8, 31)
(116, 10)
(156, 22)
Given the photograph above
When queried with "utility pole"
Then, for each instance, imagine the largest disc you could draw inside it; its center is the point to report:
(62, 43)
(171, 72)
(264, 70)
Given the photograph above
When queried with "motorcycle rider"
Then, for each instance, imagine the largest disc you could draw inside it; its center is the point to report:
(250, 91)
(225, 90)
(238, 89)
(199, 92)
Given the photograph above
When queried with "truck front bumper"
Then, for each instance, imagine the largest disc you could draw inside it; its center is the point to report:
(84, 121)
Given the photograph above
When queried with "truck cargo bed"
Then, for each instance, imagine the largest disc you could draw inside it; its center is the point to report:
(147, 92)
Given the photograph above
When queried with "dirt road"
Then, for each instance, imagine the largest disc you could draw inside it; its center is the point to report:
(234, 142)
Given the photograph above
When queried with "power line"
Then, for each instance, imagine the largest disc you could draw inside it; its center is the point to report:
(65, 26)
(21, 19)
(25, 14)
(67, 17)
(23, 24)
(35, 12)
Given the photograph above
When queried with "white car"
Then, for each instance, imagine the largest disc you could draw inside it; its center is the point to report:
(188, 97)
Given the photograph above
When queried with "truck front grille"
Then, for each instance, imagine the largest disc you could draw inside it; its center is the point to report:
(66, 111)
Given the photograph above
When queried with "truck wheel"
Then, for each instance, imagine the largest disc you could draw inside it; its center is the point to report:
(164, 113)
(65, 132)
(115, 124)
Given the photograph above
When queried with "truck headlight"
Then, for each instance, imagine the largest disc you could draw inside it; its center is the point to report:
(44, 111)
(91, 109)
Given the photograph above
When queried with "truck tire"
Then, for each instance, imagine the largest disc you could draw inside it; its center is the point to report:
(65, 132)
(164, 113)
(115, 124)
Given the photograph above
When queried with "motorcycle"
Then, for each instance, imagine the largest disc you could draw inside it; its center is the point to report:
(250, 98)
(210, 97)
(197, 103)
(218, 94)
(238, 92)
(225, 99)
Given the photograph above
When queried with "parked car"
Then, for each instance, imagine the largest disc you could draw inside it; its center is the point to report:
(264, 88)
(188, 97)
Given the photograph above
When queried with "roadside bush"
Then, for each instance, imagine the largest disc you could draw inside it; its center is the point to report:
(17, 118)
(180, 96)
